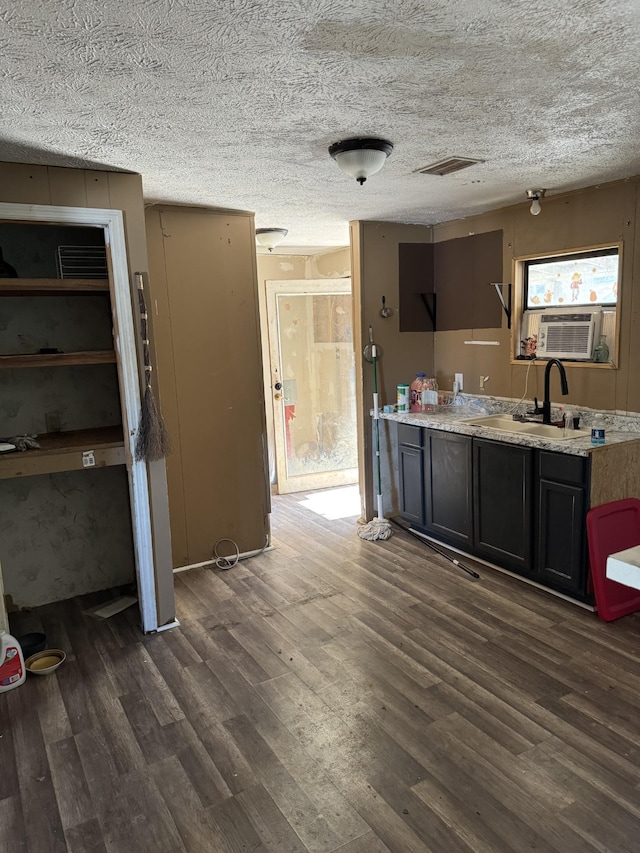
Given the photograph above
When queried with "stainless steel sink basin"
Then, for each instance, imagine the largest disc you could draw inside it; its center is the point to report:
(505, 423)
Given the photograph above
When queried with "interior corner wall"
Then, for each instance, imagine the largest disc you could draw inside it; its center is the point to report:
(335, 263)
(374, 247)
(596, 215)
(203, 282)
(48, 185)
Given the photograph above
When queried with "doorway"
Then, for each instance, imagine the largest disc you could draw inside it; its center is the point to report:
(312, 370)
(88, 445)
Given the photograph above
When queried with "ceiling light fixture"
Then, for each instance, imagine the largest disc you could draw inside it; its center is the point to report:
(270, 237)
(361, 158)
(534, 196)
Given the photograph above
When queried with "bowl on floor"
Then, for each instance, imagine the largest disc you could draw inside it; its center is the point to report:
(45, 662)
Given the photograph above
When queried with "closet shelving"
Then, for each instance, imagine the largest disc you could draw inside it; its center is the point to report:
(61, 451)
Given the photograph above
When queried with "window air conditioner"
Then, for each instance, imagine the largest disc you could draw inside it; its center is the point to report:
(570, 336)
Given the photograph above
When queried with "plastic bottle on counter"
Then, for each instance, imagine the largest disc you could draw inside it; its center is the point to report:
(416, 392)
(597, 430)
(402, 398)
(430, 395)
(12, 669)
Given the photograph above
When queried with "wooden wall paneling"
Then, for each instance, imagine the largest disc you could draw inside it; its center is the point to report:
(67, 187)
(218, 370)
(165, 374)
(24, 184)
(97, 188)
(487, 312)
(453, 274)
(415, 278)
(125, 194)
(626, 377)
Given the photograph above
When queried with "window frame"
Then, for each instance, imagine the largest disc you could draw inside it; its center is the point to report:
(521, 265)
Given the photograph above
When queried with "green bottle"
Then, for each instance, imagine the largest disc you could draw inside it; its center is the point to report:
(601, 352)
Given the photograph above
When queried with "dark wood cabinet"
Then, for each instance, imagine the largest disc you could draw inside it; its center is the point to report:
(457, 273)
(517, 507)
(503, 503)
(448, 486)
(563, 500)
(411, 477)
(463, 271)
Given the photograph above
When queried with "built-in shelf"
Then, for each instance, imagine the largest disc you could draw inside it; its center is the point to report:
(63, 451)
(51, 286)
(58, 359)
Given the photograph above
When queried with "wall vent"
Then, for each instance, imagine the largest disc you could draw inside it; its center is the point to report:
(448, 166)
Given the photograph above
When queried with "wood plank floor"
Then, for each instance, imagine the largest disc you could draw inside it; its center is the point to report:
(330, 695)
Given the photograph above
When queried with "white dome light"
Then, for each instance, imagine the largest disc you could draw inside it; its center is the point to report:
(361, 158)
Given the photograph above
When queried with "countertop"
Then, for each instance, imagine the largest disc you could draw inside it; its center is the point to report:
(451, 419)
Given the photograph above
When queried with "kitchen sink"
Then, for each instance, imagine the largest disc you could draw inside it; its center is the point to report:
(505, 423)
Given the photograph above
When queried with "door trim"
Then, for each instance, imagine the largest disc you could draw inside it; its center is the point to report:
(274, 287)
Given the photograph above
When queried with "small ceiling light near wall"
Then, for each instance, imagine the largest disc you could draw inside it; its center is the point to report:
(270, 237)
(534, 196)
(361, 158)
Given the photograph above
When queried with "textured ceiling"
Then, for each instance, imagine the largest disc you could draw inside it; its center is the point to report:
(234, 103)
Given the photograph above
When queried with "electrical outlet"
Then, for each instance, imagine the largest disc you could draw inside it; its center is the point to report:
(52, 422)
(458, 377)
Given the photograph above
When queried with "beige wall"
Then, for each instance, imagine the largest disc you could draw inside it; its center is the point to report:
(575, 220)
(25, 184)
(202, 267)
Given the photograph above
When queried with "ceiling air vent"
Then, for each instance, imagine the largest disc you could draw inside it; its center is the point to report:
(448, 166)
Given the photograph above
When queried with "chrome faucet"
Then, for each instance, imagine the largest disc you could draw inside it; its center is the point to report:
(546, 405)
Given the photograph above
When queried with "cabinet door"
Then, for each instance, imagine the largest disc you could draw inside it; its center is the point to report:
(503, 504)
(453, 281)
(411, 484)
(448, 487)
(561, 537)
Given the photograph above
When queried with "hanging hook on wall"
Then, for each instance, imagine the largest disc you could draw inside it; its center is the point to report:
(384, 311)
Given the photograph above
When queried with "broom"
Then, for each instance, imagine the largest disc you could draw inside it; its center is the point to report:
(152, 438)
(379, 527)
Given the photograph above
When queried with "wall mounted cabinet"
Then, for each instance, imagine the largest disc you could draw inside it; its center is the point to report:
(457, 273)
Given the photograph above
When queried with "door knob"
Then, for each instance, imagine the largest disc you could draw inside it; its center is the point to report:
(278, 386)
(277, 396)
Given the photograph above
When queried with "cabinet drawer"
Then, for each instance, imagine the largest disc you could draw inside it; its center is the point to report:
(410, 435)
(563, 468)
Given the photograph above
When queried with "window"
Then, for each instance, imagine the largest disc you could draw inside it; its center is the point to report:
(569, 305)
(585, 278)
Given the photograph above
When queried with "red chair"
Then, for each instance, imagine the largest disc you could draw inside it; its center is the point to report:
(612, 527)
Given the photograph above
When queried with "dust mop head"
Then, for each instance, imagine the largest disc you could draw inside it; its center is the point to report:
(377, 528)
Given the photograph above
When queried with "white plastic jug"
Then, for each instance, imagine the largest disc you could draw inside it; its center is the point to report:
(12, 669)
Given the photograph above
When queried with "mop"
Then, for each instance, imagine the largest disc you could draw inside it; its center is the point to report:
(379, 527)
